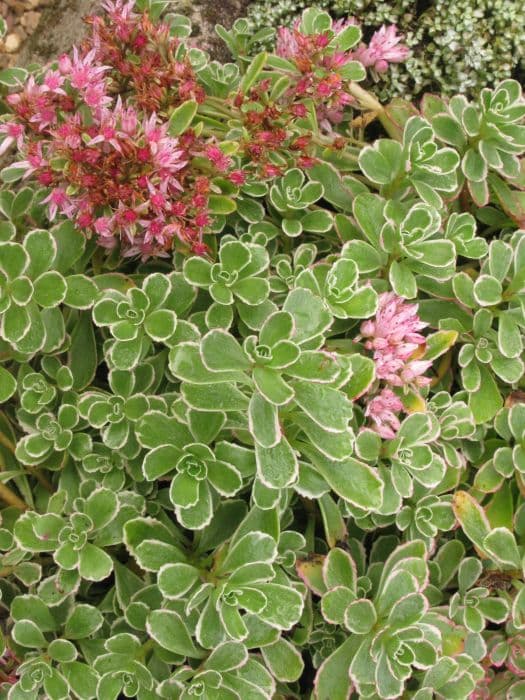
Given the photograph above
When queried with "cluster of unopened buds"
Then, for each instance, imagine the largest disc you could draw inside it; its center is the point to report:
(394, 337)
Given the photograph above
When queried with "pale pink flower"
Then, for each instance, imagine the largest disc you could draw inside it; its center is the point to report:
(385, 47)
(287, 45)
(169, 157)
(128, 117)
(69, 132)
(83, 70)
(95, 95)
(64, 64)
(53, 82)
(153, 132)
(382, 411)
(396, 323)
(104, 226)
(59, 201)
(339, 24)
(393, 336)
(412, 373)
(14, 133)
(122, 16)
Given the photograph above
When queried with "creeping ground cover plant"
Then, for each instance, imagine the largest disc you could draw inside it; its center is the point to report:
(262, 431)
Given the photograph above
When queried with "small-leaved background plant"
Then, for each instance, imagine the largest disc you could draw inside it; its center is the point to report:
(263, 415)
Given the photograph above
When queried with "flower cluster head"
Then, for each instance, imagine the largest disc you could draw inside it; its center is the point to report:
(394, 338)
(382, 411)
(106, 152)
(325, 68)
(385, 47)
(321, 78)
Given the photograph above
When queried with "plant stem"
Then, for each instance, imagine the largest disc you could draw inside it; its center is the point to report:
(11, 498)
(6, 442)
(368, 101)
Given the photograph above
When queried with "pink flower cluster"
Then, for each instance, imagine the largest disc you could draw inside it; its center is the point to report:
(319, 66)
(109, 162)
(385, 47)
(320, 69)
(394, 336)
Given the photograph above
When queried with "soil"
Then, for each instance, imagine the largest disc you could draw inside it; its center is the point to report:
(40, 30)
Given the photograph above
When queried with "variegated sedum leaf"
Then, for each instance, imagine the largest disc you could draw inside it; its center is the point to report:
(262, 431)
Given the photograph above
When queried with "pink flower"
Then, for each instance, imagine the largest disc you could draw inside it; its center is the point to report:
(53, 82)
(14, 133)
(237, 177)
(395, 324)
(217, 157)
(152, 132)
(122, 16)
(82, 71)
(64, 64)
(393, 336)
(95, 96)
(385, 47)
(128, 117)
(103, 226)
(382, 411)
(59, 201)
(287, 45)
(169, 157)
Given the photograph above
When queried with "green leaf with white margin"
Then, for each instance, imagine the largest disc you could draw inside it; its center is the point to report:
(284, 605)
(253, 71)
(161, 324)
(351, 479)
(169, 630)
(360, 616)
(518, 610)
(471, 517)
(95, 564)
(181, 117)
(332, 681)
(7, 385)
(339, 569)
(310, 314)
(283, 660)
(27, 634)
(185, 361)
(347, 38)
(272, 386)
(222, 352)
(328, 407)
(217, 397)
(227, 656)
(81, 292)
(263, 421)
(402, 280)
(501, 545)
(195, 517)
(277, 466)
(49, 289)
(380, 162)
(510, 343)
(254, 547)
(315, 366)
(83, 621)
(175, 580)
(487, 400)
(101, 506)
